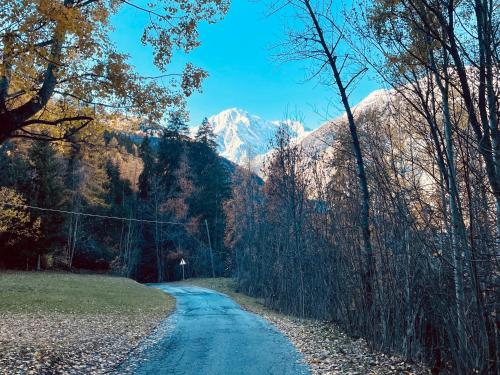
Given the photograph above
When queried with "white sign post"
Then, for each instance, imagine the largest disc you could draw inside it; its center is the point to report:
(183, 263)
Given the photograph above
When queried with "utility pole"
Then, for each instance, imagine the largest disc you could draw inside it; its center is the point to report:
(210, 247)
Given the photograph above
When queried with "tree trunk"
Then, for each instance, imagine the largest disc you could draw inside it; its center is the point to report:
(368, 272)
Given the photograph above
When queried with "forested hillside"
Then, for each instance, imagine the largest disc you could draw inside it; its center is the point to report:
(116, 205)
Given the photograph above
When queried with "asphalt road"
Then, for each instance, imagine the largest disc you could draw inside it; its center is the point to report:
(211, 335)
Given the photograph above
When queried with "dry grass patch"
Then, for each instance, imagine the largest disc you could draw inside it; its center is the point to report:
(67, 323)
(44, 292)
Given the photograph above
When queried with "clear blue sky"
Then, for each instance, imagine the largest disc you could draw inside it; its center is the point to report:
(238, 54)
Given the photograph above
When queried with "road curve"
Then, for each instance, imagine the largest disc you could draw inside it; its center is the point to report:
(211, 335)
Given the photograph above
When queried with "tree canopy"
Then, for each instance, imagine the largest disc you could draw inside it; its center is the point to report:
(59, 68)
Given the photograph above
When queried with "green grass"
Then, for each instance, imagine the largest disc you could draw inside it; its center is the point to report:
(228, 286)
(43, 292)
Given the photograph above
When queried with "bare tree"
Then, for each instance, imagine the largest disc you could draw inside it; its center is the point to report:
(319, 38)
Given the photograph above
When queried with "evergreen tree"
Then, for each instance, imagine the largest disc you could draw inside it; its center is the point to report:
(212, 183)
(170, 151)
(15, 168)
(206, 135)
(118, 189)
(47, 192)
(46, 179)
(147, 156)
(176, 127)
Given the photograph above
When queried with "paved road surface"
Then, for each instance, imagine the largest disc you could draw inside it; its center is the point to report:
(211, 335)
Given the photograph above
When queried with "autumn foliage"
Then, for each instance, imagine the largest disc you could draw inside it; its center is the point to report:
(59, 68)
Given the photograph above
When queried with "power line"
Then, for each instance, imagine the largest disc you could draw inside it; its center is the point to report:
(101, 217)
(89, 215)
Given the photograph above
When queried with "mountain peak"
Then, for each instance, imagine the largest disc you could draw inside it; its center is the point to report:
(234, 110)
(242, 136)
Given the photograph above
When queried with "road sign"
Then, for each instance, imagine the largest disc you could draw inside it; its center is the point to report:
(183, 263)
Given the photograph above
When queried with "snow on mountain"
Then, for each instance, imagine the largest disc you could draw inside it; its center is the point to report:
(242, 136)
(323, 136)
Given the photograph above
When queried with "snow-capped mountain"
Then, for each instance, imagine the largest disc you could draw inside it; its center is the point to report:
(242, 136)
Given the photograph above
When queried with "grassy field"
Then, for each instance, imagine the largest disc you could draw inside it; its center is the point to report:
(42, 292)
(228, 287)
